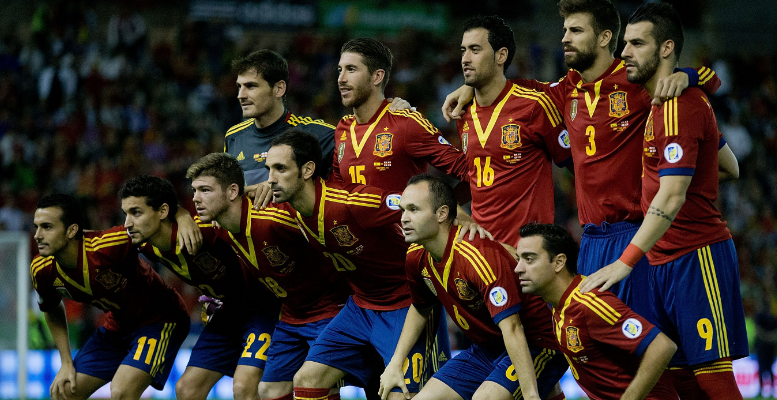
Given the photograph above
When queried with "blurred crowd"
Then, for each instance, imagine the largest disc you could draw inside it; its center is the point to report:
(88, 100)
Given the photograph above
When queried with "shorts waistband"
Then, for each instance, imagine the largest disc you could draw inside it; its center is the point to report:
(607, 228)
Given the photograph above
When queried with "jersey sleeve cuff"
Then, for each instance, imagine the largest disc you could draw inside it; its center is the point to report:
(693, 75)
(722, 143)
(564, 163)
(643, 345)
(676, 171)
(506, 313)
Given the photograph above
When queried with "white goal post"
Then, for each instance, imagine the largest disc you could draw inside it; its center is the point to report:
(19, 243)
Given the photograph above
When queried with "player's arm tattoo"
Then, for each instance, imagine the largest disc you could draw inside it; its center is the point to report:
(657, 211)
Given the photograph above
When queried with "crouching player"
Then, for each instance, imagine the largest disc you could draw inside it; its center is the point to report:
(614, 352)
(513, 354)
(146, 321)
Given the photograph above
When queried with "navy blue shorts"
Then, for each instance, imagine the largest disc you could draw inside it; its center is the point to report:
(601, 246)
(697, 303)
(151, 348)
(470, 368)
(356, 333)
(231, 339)
(290, 346)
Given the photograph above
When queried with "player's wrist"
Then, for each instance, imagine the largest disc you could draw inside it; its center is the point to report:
(631, 255)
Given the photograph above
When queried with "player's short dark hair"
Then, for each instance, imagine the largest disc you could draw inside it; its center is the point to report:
(667, 24)
(304, 148)
(555, 240)
(155, 190)
(604, 16)
(221, 166)
(499, 34)
(440, 193)
(271, 65)
(71, 210)
(374, 53)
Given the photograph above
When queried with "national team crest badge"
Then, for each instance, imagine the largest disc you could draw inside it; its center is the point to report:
(108, 278)
(344, 236)
(464, 141)
(465, 292)
(383, 144)
(275, 256)
(340, 151)
(573, 110)
(618, 105)
(206, 262)
(573, 339)
(649, 129)
(511, 137)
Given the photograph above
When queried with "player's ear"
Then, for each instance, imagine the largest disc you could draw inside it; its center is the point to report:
(308, 169)
(233, 192)
(559, 262)
(666, 48)
(442, 213)
(71, 231)
(378, 76)
(604, 38)
(501, 56)
(279, 89)
(164, 211)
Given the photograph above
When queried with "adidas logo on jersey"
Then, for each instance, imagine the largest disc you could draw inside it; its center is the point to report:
(241, 157)
(58, 282)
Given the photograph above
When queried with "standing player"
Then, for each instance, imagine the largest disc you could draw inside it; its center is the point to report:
(509, 134)
(614, 353)
(604, 115)
(689, 247)
(356, 227)
(146, 321)
(376, 145)
(262, 77)
(475, 282)
(270, 243)
(231, 342)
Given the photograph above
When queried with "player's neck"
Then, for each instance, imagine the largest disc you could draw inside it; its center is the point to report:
(231, 218)
(265, 120)
(366, 110)
(600, 66)
(553, 292)
(68, 257)
(486, 94)
(436, 245)
(664, 69)
(162, 239)
(305, 200)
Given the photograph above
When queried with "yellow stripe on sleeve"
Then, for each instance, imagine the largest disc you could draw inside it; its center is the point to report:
(483, 262)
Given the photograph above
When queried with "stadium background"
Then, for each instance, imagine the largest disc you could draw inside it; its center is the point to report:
(92, 93)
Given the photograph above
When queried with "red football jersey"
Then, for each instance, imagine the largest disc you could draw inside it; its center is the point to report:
(605, 120)
(477, 286)
(390, 148)
(602, 339)
(357, 228)
(215, 270)
(682, 138)
(509, 147)
(111, 277)
(273, 247)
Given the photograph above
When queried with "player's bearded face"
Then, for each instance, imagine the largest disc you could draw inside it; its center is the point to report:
(142, 221)
(210, 199)
(478, 59)
(285, 177)
(50, 232)
(354, 80)
(579, 42)
(641, 54)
